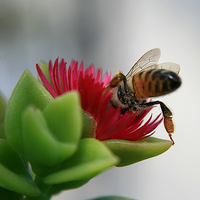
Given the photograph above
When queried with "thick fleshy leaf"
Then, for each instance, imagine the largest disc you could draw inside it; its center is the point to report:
(91, 158)
(2, 103)
(134, 151)
(40, 144)
(2, 113)
(41, 197)
(112, 198)
(8, 195)
(13, 174)
(44, 170)
(27, 92)
(55, 189)
(64, 117)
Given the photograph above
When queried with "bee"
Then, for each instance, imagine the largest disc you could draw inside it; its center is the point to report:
(146, 79)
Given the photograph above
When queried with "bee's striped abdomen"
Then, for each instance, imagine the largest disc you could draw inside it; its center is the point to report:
(155, 82)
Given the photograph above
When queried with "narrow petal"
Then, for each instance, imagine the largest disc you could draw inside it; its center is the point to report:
(62, 74)
(52, 77)
(98, 76)
(45, 82)
(57, 78)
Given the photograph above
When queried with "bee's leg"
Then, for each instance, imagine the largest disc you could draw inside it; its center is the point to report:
(167, 115)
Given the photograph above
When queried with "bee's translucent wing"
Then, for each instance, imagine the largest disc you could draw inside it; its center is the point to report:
(169, 66)
(147, 61)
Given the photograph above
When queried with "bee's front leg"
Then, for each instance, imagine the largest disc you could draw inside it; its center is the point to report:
(167, 115)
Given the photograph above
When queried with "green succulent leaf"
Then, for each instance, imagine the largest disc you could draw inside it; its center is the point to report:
(91, 158)
(64, 117)
(13, 173)
(112, 198)
(2, 104)
(40, 144)
(8, 195)
(52, 136)
(27, 92)
(66, 186)
(2, 113)
(134, 151)
(43, 170)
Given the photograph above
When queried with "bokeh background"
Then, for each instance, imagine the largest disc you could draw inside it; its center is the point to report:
(114, 35)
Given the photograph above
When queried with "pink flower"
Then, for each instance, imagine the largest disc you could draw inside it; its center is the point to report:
(111, 124)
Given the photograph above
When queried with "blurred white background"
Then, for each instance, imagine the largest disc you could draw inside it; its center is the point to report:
(114, 35)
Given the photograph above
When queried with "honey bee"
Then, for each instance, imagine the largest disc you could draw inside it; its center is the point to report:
(146, 79)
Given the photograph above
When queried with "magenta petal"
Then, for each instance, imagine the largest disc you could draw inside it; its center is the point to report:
(104, 120)
(57, 80)
(98, 76)
(138, 133)
(62, 74)
(45, 82)
(74, 74)
(52, 77)
(107, 78)
(154, 124)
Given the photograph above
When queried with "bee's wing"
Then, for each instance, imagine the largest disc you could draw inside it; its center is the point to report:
(147, 61)
(169, 66)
